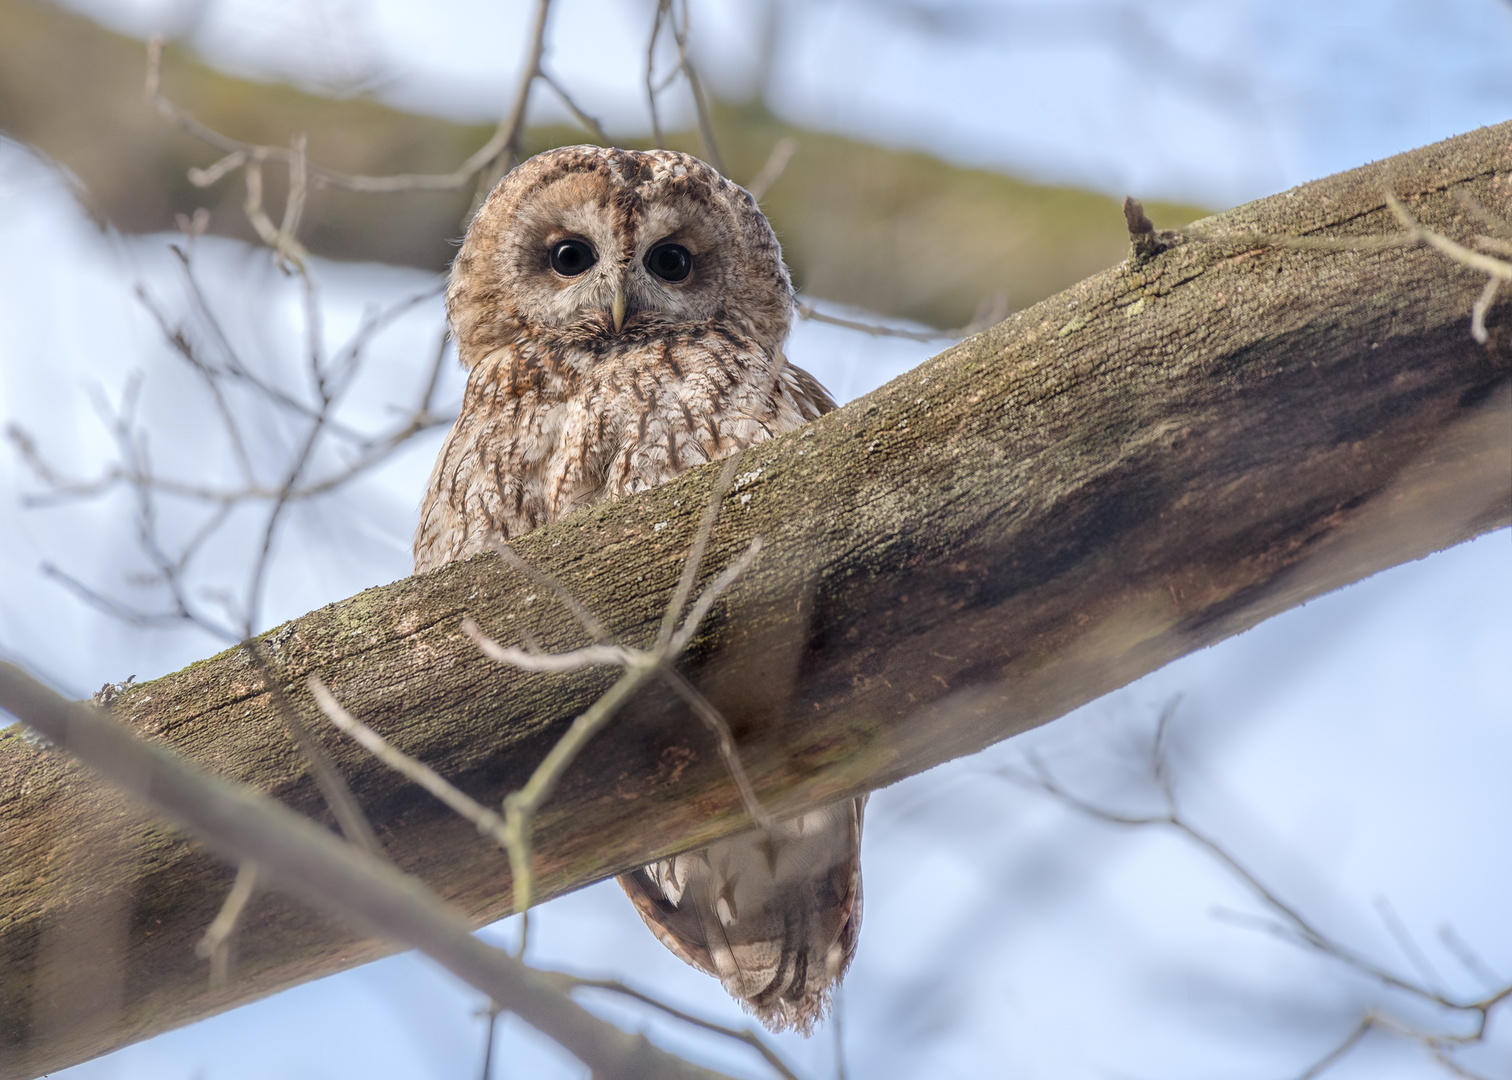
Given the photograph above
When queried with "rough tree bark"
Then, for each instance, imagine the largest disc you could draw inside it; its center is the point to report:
(1136, 468)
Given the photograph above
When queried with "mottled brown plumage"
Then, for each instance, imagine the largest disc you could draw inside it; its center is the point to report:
(622, 315)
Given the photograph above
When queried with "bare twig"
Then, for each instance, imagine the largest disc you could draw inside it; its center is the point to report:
(491, 1035)
(594, 127)
(1337, 1054)
(808, 311)
(776, 164)
(721, 729)
(741, 1035)
(1496, 270)
(531, 660)
(133, 467)
(1483, 305)
(666, 14)
(1474, 260)
(491, 824)
(487, 822)
(1495, 222)
(215, 946)
(298, 855)
(513, 125)
(695, 87)
(521, 807)
(662, 8)
(333, 786)
(238, 153)
(1409, 947)
(1467, 957)
(1289, 923)
(586, 619)
(696, 552)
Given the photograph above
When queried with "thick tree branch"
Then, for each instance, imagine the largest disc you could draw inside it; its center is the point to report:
(355, 886)
(1141, 466)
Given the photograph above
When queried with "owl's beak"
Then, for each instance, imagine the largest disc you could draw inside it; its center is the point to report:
(617, 309)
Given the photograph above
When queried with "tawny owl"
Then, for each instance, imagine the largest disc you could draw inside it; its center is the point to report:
(622, 315)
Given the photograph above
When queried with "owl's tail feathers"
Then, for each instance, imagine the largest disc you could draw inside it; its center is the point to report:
(774, 916)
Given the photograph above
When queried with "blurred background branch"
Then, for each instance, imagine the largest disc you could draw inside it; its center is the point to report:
(899, 233)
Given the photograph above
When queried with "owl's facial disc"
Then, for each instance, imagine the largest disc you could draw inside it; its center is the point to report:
(587, 243)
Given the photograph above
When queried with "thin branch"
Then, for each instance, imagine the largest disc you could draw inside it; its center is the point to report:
(712, 592)
(1405, 942)
(319, 174)
(1474, 260)
(1292, 926)
(696, 552)
(594, 127)
(695, 87)
(492, 1012)
(1494, 244)
(1495, 222)
(776, 164)
(1483, 305)
(1306, 933)
(303, 858)
(662, 8)
(586, 619)
(126, 613)
(741, 1035)
(520, 807)
(553, 663)
(215, 946)
(298, 185)
(333, 786)
(808, 311)
(721, 729)
(488, 823)
(1444, 1058)
(513, 126)
(1467, 957)
(1334, 1056)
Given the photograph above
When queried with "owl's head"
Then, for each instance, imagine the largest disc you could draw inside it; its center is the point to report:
(594, 246)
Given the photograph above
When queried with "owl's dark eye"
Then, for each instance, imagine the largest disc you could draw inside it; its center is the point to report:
(670, 262)
(571, 257)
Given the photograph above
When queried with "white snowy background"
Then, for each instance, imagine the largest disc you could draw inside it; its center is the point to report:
(1356, 753)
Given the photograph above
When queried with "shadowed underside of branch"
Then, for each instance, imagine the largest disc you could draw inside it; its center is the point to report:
(1141, 466)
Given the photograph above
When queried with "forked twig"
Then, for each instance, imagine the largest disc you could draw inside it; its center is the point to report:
(239, 154)
(1497, 270)
(1290, 924)
(521, 807)
(666, 14)
(299, 856)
